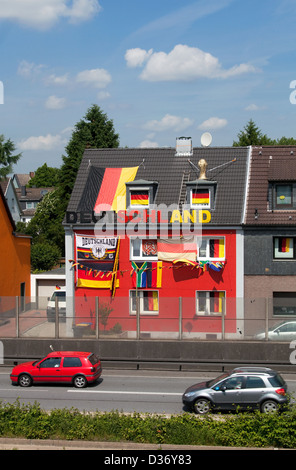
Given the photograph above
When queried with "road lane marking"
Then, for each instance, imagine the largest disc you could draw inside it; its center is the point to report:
(125, 393)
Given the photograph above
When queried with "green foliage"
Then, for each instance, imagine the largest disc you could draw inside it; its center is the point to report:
(6, 158)
(236, 430)
(45, 177)
(252, 135)
(44, 256)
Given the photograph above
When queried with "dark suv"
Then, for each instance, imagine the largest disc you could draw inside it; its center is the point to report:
(242, 388)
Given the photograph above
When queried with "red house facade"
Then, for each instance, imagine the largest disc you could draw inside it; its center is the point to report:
(154, 242)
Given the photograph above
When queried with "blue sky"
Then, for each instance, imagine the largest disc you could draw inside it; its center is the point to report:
(159, 69)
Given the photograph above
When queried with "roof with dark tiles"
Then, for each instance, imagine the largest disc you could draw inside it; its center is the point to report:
(269, 165)
(226, 165)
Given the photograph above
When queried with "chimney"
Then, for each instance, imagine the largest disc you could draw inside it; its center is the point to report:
(184, 147)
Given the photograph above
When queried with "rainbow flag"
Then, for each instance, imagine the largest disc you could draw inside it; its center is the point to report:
(112, 191)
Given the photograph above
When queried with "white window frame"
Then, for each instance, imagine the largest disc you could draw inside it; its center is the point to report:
(207, 311)
(141, 257)
(208, 257)
(141, 294)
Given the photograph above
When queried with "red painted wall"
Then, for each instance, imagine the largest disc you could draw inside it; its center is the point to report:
(176, 282)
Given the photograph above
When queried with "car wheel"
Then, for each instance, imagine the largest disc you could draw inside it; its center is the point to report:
(202, 406)
(25, 380)
(269, 406)
(79, 381)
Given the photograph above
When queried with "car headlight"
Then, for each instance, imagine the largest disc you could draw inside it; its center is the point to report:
(189, 394)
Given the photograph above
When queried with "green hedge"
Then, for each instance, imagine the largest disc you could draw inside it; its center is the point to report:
(241, 429)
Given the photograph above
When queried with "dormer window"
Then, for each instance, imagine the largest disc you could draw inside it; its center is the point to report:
(282, 195)
(140, 194)
(201, 194)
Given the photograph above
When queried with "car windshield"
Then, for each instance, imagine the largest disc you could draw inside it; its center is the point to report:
(213, 382)
(61, 295)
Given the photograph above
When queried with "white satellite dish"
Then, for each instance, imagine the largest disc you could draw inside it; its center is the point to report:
(206, 139)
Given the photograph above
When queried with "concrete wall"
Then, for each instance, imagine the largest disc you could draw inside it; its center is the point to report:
(183, 354)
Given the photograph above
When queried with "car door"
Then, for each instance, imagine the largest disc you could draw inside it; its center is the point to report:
(228, 393)
(253, 391)
(71, 366)
(49, 370)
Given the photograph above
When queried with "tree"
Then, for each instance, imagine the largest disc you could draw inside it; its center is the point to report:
(45, 177)
(94, 131)
(252, 135)
(44, 256)
(6, 158)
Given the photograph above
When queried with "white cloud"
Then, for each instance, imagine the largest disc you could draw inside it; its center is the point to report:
(213, 123)
(43, 14)
(99, 78)
(136, 57)
(148, 144)
(47, 142)
(168, 122)
(54, 102)
(57, 80)
(183, 63)
(29, 69)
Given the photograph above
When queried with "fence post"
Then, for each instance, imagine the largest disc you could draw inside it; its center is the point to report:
(180, 318)
(97, 317)
(56, 304)
(17, 317)
(266, 317)
(138, 315)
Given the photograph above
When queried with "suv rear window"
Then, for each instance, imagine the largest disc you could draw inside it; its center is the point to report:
(276, 380)
(72, 362)
(93, 359)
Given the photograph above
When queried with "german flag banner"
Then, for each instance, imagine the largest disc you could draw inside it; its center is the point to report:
(112, 191)
(95, 262)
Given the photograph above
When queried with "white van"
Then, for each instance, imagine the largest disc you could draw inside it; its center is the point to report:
(60, 295)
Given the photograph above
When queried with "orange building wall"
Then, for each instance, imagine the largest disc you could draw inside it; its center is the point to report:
(15, 260)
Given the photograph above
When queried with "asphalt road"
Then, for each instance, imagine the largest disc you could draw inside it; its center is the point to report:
(125, 391)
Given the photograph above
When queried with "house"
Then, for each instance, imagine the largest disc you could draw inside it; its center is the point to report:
(15, 253)
(156, 235)
(270, 237)
(11, 197)
(28, 198)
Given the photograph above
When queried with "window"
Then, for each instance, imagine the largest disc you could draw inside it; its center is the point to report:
(148, 302)
(284, 248)
(255, 382)
(284, 303)
(210, 303)
(143, 249)
(72, 362)
(211, 248)
(50, 362)
(283, 195)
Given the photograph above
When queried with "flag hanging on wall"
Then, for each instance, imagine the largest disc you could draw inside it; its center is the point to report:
(95, 261)
(217, 248)
(147, 274)
(177, 249)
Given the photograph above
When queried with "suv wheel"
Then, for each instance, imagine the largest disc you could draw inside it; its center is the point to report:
(269, 406)
(202, 406)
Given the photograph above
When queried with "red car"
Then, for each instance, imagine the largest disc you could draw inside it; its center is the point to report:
(71, 367)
